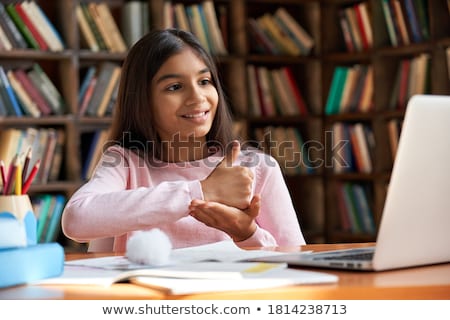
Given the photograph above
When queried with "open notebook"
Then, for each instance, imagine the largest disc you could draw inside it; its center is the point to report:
(212, 267)
(415, 225)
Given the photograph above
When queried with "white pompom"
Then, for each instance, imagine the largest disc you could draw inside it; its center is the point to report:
(151, 247)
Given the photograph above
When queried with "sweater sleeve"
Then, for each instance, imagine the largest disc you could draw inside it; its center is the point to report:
(105, 206)
(277, 221)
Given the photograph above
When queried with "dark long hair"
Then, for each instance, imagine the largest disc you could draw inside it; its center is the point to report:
(133, 124)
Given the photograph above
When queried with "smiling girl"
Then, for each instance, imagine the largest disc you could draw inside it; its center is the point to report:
(171, 161)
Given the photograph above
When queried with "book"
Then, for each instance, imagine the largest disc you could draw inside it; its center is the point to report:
(47, 261)
(45, 201)
(294, 89)
(58, 156)
(401, 21)
(54, 223)
(389, 18)
(413, 21)
(362, 16)
(5, 43)
(132, 21)
(267, 103)
(363, 209)
(335, 92)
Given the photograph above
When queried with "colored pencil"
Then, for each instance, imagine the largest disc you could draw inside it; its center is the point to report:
(26, 164)
(2, 170)
(31, 176)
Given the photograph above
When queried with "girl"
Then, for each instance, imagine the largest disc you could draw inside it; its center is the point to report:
(171, 162)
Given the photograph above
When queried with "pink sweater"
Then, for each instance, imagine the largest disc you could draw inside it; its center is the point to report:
(125, 195)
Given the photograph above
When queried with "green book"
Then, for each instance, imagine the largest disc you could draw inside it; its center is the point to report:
(42, 218)
(335, 93)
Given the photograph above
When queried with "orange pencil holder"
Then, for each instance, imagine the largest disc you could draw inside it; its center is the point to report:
(17, 221)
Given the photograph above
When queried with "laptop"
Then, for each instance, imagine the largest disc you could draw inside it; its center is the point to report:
(415, 224)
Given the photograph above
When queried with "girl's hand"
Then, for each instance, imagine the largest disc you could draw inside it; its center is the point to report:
(238, 224)
(228, 184)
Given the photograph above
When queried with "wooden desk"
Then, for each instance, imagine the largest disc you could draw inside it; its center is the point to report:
(430, 282)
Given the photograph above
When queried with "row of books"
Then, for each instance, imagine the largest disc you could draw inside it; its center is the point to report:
(287, 146)
(356, 27)
(99, 30)
(353, 147)
(48, 209)
(28, 91)
(406, 21)
(25, 25)
(200, 19)
(274, 92)
(279, 33)
(412, 77)
(98, 89)
(354, 207)
(46, 145)
(351, 90)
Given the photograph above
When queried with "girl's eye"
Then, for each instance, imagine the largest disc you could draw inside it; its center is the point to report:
(174, 87)
(205, 81)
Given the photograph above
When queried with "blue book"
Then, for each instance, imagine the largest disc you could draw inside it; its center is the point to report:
(31, 263)
(55, 219)
(11, 95)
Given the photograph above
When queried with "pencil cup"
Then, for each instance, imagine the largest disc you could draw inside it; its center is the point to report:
(17, 222)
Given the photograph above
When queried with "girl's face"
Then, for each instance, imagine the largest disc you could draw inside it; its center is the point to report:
(184, 98)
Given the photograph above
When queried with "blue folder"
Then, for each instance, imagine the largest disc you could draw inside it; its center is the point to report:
(23, 265)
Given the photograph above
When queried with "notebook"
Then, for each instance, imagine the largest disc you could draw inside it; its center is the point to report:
(415, 224)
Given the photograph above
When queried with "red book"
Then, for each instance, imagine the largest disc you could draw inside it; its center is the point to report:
(34, 31)
(362, 30)
(33, 92)
(403, 88)
(300, 101)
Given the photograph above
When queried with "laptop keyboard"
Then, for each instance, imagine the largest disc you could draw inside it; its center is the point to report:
(353, 256)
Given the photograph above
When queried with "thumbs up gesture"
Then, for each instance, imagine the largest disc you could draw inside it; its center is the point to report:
(229, 184)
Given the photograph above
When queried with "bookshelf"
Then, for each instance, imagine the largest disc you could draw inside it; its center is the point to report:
(314, 193)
